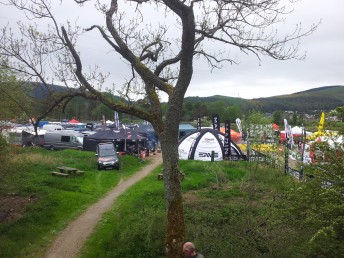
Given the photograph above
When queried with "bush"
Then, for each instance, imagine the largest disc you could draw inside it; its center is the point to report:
(316, 205)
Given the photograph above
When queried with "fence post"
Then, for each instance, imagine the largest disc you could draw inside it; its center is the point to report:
(286, 157)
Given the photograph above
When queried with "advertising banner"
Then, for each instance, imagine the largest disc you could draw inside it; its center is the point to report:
(216, 122)
(227, 140)
(199, 123)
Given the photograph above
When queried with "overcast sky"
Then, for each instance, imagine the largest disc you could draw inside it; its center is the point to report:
(323, 66)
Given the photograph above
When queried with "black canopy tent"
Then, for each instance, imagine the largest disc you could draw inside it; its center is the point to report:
(143, 129)
(122, 139)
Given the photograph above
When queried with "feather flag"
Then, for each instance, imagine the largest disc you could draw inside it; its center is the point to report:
(321, 123)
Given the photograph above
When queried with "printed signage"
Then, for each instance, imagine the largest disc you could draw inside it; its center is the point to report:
(199, 123)
(207, 155)
(227, 139)
(216, 122)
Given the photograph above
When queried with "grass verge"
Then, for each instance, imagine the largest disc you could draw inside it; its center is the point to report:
(230, 211)
(35, 206)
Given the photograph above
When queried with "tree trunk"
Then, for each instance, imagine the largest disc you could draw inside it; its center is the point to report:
(173, 194)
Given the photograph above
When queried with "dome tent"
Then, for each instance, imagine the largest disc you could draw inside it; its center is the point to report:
(235, 136)
(199, 144)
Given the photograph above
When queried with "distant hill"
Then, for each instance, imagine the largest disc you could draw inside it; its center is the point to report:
(40, 92)
(226, 100)
(323, 98)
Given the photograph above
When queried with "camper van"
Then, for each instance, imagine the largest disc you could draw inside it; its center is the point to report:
(63, 139)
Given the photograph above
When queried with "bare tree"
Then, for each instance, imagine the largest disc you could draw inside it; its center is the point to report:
(160, 56)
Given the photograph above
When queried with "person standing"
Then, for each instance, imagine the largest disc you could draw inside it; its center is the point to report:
(189, 251)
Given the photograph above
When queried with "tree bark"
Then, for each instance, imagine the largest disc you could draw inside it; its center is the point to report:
(173, 192)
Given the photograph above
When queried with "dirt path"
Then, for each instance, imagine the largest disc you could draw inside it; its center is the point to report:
(69, 242)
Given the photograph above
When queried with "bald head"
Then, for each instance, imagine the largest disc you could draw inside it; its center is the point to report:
(189, 249)
(189, 246)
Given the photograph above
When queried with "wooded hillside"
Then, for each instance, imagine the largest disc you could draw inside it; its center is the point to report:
(323, 99)
(318, 99)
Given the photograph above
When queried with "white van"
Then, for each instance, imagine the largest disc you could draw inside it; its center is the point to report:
(52, 127)
(63, 139)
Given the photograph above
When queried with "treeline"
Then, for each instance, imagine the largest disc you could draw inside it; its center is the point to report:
(320, 99)
(310, 101)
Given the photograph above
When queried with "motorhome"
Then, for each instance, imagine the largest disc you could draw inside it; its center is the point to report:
(63, 139)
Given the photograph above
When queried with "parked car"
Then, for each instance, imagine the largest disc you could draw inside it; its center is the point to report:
(107, 156)
(63, 139)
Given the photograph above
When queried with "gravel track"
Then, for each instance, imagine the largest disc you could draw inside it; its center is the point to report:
(69, 242)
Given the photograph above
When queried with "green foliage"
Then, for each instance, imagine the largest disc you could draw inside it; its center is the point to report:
(294, 118)
(3, 144)
(232, 113)
(258, 118)
(340, 113)
(317, 204)
(277, 117)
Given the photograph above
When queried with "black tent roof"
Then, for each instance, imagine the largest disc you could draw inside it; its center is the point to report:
(118, 135)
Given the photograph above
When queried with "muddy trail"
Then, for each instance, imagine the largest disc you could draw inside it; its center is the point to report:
(69, 242)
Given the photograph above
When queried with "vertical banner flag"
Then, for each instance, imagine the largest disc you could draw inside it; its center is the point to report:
(291, 137)
(216, 122)
(238, 123)
(303, 143)
(199, 123)
(288, 133)
(227, 140)
(321, 123)
(286, 128)
(116, 120)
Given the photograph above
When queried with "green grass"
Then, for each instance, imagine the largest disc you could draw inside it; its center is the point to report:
(225, 203)
(51, 202)
(137, 222)
(232, 209)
